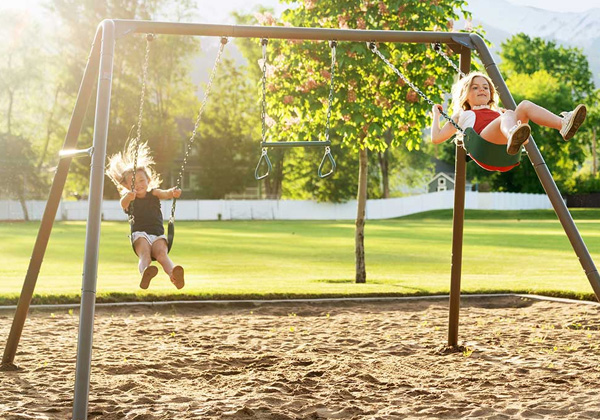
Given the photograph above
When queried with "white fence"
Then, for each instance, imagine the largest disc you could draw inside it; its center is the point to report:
(290, 210)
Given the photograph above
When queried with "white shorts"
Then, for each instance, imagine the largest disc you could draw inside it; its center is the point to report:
(150, 238)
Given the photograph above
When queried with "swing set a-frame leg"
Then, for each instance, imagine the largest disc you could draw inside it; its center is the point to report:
(545, 178)
(58, 184)
(543, 174)
(458, 217)
(92, 238)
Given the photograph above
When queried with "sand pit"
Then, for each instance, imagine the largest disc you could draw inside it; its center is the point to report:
(377, 360)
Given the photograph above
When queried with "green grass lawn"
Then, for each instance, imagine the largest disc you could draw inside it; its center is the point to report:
(524, 251)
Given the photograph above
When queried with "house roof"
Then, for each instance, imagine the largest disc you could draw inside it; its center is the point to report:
(449, 177)
(441, 166)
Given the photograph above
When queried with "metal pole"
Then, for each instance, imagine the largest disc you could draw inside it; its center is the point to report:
(455, 39)
(92, 240)
(73, 153)
(60, 177)
(458, 218)
(543, 173)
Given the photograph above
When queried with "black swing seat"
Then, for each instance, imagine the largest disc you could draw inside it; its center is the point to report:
(170, 234)
(489, 156)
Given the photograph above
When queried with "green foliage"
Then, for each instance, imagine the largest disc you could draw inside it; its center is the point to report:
(302, 182)
(592, 132)
(522, 54)
(556, 78)
(24, 120)
(368, 97)
(19, 178)
(21, 70)
(227, 145)
(563, 158)
(407, 169)
(273, 183)
(169, 94)
(368, 102)
(584, 183)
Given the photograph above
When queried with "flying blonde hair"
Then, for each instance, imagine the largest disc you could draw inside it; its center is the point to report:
(120, 166)
(461, 88)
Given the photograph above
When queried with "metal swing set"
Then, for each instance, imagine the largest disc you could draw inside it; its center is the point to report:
(100, 67)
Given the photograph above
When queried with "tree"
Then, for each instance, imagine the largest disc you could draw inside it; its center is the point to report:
(20, 79)
(169, 90)
(562, 157)
(20, 68)
(227, 141)
(18, 175)
(556, 78)
(273, 183)
(522, 54)
(587, 179)
(302, 182)
(369, 100)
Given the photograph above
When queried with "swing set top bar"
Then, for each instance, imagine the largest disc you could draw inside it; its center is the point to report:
(125, 27)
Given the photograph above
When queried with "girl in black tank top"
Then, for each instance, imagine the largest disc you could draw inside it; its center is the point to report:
(140, 199)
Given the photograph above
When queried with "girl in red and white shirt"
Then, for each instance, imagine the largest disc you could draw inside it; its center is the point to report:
(474, 101)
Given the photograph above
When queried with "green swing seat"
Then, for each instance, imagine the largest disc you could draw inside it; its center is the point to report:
(489, 156)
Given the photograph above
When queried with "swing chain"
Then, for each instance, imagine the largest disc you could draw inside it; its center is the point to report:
(263, 111)
(333, 45)
(149, 39)
(437, 47)
(374, 49)
(190, 143)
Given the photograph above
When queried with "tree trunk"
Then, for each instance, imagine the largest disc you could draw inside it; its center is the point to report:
(384, 165)
(359, 238)
(49, 128)
(21, 197)
(594, 156)
(274, 180)
(11, 96)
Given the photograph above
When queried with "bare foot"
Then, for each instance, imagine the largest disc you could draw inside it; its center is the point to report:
(149, 273)
(177, 277)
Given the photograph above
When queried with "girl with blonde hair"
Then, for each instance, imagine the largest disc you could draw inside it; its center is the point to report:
(475, 105)
(140, 199)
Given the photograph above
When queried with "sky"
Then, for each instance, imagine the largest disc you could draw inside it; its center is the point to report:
(218, 11)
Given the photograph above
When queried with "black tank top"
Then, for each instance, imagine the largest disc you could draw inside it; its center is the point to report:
(147, 215)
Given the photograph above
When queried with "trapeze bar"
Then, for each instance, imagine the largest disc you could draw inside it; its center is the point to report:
(284, 144)
(284, 32)
(72, 153)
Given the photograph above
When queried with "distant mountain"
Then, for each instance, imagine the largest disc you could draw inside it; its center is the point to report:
(501, 19)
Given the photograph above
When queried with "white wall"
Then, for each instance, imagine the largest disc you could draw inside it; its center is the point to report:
(291, 210)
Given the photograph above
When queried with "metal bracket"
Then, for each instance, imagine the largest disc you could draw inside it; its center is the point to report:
(73, 153)
(463, 40)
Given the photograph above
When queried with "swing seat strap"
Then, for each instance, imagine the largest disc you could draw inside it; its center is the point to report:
(170, 234)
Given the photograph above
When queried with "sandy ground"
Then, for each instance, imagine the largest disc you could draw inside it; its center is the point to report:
(523, 359)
